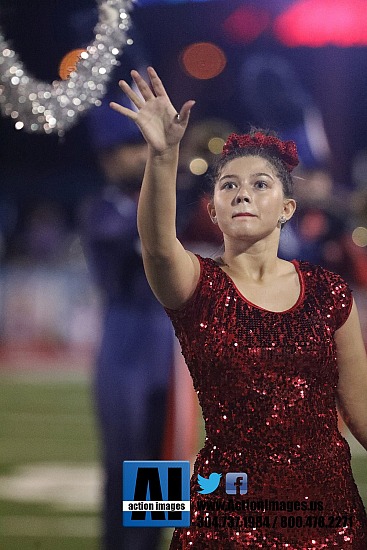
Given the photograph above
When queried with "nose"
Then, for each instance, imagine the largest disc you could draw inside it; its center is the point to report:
(242, 195)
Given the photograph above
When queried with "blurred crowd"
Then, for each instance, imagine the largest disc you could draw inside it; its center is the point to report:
(329, 227)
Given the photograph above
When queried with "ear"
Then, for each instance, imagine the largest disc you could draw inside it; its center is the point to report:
(211, 211)
(289, 208)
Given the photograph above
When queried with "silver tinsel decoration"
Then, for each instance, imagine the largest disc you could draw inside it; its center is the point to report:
(39, 107)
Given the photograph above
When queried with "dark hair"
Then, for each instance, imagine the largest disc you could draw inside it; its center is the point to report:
(268, 154)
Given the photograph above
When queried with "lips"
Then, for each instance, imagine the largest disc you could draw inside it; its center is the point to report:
(240, 214)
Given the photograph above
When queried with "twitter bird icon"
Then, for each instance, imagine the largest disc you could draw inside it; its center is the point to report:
(208, 485)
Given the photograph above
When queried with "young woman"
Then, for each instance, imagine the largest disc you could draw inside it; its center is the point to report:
(271, 346)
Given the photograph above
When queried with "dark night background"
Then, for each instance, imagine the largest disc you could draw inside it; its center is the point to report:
(43, 167)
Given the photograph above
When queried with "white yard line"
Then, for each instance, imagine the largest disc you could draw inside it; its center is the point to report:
(61, 485)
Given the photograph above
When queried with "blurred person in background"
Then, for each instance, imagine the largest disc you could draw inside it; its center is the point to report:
(135, 358)
(276, 97)
(324, 223)
(45, 236)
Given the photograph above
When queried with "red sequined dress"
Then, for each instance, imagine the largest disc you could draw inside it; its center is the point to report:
(266, 383)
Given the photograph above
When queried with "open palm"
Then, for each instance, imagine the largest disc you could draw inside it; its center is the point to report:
(159, 122)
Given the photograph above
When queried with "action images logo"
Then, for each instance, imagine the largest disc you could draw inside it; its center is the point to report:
(156, 493)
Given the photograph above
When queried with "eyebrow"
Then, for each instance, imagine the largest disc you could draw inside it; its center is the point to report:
(236, 176)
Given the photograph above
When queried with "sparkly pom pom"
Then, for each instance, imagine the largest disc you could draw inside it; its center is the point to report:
(285, 150)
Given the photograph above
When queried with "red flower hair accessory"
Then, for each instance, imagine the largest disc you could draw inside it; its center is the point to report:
(285, 150)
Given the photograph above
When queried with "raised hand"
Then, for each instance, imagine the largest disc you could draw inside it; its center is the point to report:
(158, 120)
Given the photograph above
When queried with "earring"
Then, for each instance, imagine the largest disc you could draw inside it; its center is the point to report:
(214, 219)
(282, 220)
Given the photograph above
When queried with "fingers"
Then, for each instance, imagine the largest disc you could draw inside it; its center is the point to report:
(143, 87)
(157, 84)
(123, 110)
(134, 97)
(184, 114)
(147, 94)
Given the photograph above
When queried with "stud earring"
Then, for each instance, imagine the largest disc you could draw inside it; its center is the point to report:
(282, 220)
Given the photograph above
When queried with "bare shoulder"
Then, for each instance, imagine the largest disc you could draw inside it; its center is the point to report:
(173, 278)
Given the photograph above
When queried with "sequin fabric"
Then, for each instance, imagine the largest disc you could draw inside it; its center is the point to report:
(266, 383)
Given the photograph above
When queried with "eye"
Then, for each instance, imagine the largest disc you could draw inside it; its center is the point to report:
(261, 184)
(229, 185)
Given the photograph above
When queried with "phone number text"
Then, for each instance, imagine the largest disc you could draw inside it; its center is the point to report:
(282, 521)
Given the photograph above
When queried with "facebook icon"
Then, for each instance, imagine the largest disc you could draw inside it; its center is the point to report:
(236, 483)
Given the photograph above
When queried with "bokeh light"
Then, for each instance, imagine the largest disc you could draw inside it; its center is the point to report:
(245, 24)
(203, 60)
(359, 236)
(215, 145)
(317, 23)
(69, 62)
(198, 166)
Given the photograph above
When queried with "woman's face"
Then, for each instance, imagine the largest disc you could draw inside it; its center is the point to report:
(249, 200)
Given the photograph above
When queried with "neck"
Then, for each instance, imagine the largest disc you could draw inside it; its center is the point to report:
(255, 261)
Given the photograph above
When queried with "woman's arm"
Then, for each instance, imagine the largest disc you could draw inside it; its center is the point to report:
(352, 386)
(172, 271)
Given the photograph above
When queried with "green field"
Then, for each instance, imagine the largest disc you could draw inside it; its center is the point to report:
(50, 477)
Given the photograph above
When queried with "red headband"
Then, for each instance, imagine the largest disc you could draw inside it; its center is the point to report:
(285, 150)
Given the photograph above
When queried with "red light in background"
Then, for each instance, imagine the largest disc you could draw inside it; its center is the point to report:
(69, 63)
(318, 23)
(245, 24)
(203, 60)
